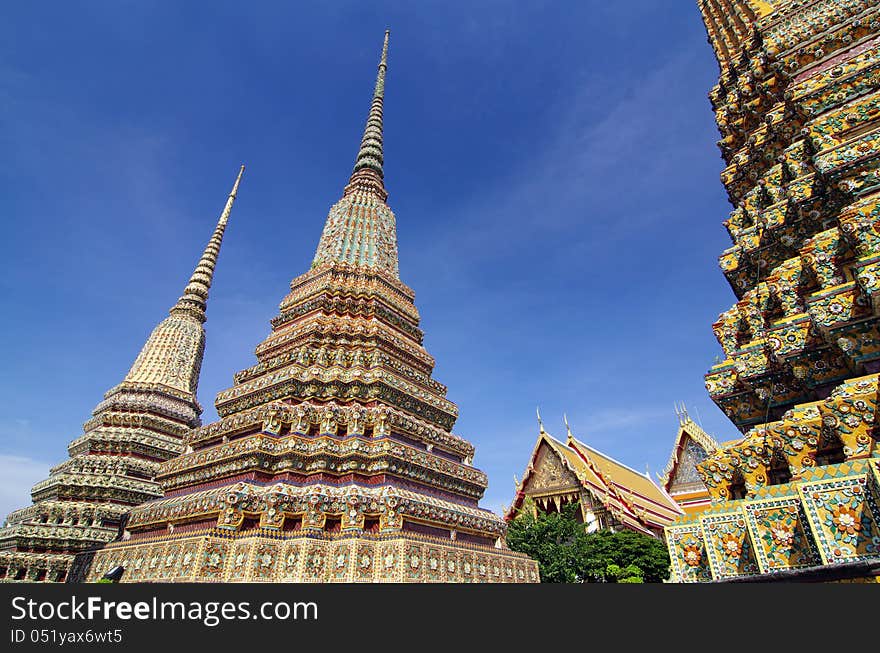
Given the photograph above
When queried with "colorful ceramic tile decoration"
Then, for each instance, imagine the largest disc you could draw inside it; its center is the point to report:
(140, 424)
(798, 107)
(779, 530)
(689, 562)
(333, 458)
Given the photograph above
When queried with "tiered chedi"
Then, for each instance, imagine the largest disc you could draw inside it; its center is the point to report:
(112, 466)
(798, 107)
(333, 458)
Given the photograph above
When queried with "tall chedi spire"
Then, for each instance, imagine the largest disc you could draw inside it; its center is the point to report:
(139, 424)
(195, 296)
(797, 104)
(360, 229)
(368, 174)
(172, 356)
(333, 458)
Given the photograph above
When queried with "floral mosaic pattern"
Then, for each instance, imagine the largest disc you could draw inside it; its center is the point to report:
(289, 567)
(831, 516)
(214, 560)
(797, 108)
(687, 553)
(781, 535)
(264, 562)
(316, 562)
(389, 563)
(240, 563)
(728, 546)
(845, 518)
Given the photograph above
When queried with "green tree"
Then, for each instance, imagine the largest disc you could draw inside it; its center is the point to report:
(631, 574)
(566, 553)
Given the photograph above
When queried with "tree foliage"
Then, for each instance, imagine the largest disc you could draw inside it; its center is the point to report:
(566, 553)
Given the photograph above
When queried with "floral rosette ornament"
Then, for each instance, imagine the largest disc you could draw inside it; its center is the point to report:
(731, 545)
(845, 522)
(692, 554)
(781, 534)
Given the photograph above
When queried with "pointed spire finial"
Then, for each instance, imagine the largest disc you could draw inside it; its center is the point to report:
(540, 421)
(194, 300)
(681, 413)
(368, 173)
(569, 436)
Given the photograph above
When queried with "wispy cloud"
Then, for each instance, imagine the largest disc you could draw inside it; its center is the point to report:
(608, 421)
(614, 161)
(17, 475)
(17, 433)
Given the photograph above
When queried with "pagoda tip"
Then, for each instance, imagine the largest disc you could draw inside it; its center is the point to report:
(384, 59)
(233, 193)
(195, 295)
(367, 173)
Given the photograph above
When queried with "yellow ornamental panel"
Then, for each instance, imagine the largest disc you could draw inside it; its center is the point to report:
(844, 517)
(728, 547)
(781, 535)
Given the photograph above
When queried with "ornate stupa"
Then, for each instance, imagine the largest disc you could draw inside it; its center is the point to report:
(798, 107)
(333, 457)
(112, 466)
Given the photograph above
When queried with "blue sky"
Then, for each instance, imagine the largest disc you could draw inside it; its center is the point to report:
(552, 166)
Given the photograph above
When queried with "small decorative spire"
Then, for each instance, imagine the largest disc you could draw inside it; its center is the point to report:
(540, 421)
(195, 295)
(368, 173)
(681, 413)
(569, 436)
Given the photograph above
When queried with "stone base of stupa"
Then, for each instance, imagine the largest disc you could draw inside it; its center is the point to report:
(319, 558)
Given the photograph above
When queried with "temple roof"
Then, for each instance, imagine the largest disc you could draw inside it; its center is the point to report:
(687, 430)
(630, 496)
